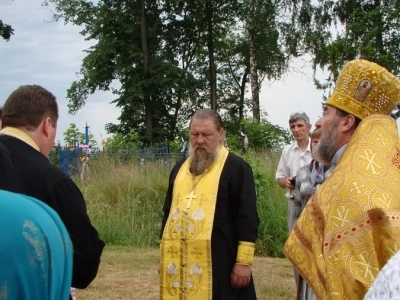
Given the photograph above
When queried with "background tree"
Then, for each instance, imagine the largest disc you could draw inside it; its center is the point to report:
(6, 31)
(261, 135)
(73, 134)
(172, 57)
(92, 140)
(118, 142)
(130, 48)
(339, 31)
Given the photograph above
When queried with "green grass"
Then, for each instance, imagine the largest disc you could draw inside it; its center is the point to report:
(125, 199)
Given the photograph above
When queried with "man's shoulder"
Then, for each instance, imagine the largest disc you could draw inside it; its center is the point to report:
(236, 161)
(53, 170)
(177, 166)
(290, 147)
(179, 163)
(32, 160)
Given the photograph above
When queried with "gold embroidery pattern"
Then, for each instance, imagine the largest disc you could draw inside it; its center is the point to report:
(364, 88)
(185, 269)
(340, 255)
(396, 158)
(19, 134)
(245, 255)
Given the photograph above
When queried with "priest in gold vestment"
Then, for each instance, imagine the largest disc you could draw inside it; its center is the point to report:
(351, 226)
(210, 222)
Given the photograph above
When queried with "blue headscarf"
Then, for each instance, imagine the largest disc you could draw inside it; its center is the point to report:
(35, 250)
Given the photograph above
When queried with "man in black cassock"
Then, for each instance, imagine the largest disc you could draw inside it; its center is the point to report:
(29, 120)
(218, 265)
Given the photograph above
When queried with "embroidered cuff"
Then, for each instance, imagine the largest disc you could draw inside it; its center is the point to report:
(245, 253)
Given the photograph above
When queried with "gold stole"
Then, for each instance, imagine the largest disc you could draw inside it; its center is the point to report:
(186, 265)
(19, 134)
(351, 226)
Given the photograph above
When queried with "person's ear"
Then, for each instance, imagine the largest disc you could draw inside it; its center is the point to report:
(348, 123)
(46, 126)
(222, 134)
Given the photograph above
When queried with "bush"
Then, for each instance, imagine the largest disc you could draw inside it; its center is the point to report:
(263, 135)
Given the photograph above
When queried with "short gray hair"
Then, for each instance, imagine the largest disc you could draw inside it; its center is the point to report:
(299, 116)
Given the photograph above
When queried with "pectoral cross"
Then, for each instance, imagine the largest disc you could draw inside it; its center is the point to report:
(189, 199)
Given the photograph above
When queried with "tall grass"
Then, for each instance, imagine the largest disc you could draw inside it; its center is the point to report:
(271, 205)
(125, 199)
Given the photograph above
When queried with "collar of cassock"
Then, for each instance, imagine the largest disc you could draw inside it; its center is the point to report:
(19, 134)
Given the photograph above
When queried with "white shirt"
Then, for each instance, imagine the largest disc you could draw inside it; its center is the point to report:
(292, 159)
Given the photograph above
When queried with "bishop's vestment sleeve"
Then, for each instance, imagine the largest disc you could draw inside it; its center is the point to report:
(70, 205)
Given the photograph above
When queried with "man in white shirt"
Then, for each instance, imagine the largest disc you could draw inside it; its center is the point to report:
(293, 158)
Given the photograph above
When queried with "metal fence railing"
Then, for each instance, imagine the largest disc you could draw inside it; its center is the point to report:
(72, 160)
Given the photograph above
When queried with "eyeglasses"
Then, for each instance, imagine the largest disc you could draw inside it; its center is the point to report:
(299, 115)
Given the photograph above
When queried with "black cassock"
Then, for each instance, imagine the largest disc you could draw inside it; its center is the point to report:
(235, 220)
(25, 170)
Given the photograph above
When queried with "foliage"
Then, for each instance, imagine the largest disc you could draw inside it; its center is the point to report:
(119, 141)
(92, 140)
(263, 135)
(6, 31)
(73, 134)
(130, 48)
(55, 157)
(174, 57)
(272, 205)
(339, 31)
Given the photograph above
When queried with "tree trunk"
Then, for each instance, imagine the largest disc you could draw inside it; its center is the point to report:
(379, 33)
(210, 45)
(253, 66)
(242, 91)
(145, 49)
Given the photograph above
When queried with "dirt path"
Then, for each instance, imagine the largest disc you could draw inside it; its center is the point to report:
(130, 274)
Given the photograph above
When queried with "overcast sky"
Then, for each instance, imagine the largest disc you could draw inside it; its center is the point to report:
(50, 53)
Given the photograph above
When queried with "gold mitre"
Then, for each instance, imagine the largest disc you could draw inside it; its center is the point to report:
(364, 88)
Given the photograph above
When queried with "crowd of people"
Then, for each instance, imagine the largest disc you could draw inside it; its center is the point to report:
(342, 182)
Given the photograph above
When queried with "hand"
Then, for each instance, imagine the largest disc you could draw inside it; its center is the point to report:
(240, 276)
(289, 183)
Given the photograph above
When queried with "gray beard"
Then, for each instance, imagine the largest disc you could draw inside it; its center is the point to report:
(201, 161)
(325, 150)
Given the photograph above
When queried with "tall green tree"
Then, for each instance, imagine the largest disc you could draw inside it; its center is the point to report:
(172, 57)
(92, 140)
(130, 48)
(73, 134)
(339, 31)
(252, 52)
(268, 56)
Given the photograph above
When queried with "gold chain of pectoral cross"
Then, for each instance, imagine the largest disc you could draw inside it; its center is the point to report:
(191, 196)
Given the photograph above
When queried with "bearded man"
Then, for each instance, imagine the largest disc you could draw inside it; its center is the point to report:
(210, 222)
(351, 226)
